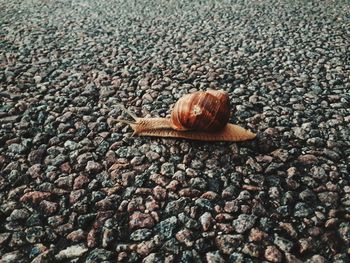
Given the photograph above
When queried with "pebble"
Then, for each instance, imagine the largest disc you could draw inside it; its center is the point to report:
(35, 234)
(177, 206)
(228, 244)
(231, 206)
(167, 169)
(13, 257)
(76, 236)
(302, 210)
(16, 148)
(71, 252)
(185, 237)
(206, 221)
(93, 167)
(305, 245)
(18, 214)
(307, 159)
(49, 207)
(272, 254)
(45, 256)
(141, 220)
(99, 255)
(283, 243)
(4, 237)
(344, 231)
(166, 227)
(257, 235)
(159, 193)
(35, 196)
(146, 247)
(252, 250)
(244, 222)
(36, 156)
(317, 259)
(328, 198)
(214, 257)
(80, 182)
(140, 234)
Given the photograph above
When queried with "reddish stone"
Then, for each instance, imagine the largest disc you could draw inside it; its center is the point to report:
(307, 159)
(74, 196)
(76, 236)
(48, 207)
(210, 195)
(65, 168)
(141, 220)
(189, 192)
(257, 235)
(272, 254)
(80, 182)
(91, 238)
(35, 196)
(159, 193)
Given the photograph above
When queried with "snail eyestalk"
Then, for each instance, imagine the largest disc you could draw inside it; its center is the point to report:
(128, 112)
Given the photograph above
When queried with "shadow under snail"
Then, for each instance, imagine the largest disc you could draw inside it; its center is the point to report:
(202, 115)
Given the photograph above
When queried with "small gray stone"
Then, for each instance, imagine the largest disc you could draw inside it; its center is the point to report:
(19, 214)
(328, 198)
(71, 145)
(99, 255)
(228, 243)
(236, 257)
(333, 155)
(13, 257)
(204, 204)
(244, 222)
(302, 210)
(16, 148)
(316, 259)
(283, 243)
(177, 206)
(35, 234)
(71, 252)
(167, 169)
(344, 232)
(214, 257)
(140, 234)
(198, 183)
(152, 258)
(167, 227)
(36, 156)
(93, 167)
(106, 91)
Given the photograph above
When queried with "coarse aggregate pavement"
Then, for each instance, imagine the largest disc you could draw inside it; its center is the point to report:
(76, 186)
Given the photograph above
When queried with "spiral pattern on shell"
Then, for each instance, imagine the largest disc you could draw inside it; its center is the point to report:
(201, 111)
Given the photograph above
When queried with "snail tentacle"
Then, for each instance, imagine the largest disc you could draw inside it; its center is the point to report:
(128, 112)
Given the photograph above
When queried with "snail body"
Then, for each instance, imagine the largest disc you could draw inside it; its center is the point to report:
(201, 115)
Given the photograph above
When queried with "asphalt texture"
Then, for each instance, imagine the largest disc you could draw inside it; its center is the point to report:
(76, 186)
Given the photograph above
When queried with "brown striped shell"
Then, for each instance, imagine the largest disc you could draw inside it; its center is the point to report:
(201, 111)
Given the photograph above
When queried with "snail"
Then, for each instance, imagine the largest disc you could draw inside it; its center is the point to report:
(202, 115)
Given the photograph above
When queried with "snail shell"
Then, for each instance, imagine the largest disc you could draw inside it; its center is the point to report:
(201, 111)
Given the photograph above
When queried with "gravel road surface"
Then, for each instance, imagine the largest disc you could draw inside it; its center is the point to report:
(75, 186)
